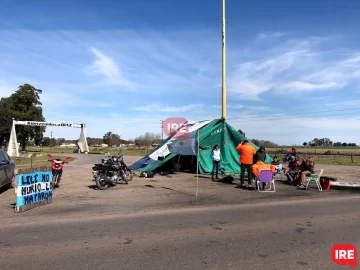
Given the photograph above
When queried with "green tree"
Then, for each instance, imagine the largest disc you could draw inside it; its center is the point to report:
(148, 139)
(5, 119)
(112, 138)
(23, 105)
(46, 141)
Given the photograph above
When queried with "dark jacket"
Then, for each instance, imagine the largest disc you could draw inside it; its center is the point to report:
(259, 156)
(307, 166)
(275, 162)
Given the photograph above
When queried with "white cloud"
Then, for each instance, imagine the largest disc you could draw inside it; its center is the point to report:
(168, 66)
(267, 35)
(344, 104)
(107, 67)
(306, 86)
(241, 106)
(230, 106)
(292, 67)
(288, 130)
(166, 108)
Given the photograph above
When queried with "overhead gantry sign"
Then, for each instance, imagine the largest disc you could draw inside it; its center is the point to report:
(13, 149)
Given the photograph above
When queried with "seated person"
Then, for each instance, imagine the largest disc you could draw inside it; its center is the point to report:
(291, 153)
(256, 168)
(291, 171)
(277, 164)
(307, 167)
(275, 161)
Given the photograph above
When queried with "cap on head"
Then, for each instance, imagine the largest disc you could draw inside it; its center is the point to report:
(246, 141)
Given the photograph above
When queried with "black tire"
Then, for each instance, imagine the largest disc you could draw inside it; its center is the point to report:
(128, 176)
(54, 180)
(131, 175)
(99, 183)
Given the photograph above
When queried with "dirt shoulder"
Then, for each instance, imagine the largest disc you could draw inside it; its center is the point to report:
(78, 196)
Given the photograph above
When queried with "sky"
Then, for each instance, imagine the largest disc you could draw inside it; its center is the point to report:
(292, 67)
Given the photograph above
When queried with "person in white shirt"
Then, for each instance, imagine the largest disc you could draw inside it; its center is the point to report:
(216, 157)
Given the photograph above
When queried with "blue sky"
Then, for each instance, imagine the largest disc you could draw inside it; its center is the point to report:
(293, 67)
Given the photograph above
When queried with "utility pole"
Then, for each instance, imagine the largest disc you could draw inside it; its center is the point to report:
(223, 63)
(162, 130)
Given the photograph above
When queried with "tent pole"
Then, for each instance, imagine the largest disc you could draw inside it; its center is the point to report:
(223, 63)
(197, 163)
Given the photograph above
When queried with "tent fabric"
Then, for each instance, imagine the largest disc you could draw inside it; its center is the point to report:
(176, 143)
(211, 133)
(186, 145)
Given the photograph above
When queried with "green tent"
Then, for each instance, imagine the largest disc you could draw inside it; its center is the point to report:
(179, 150)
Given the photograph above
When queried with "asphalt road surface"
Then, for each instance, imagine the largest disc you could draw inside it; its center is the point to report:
(142, 226)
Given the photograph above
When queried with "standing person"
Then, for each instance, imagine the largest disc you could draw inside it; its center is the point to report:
(247, 152)
(260, 155)
(216, 157)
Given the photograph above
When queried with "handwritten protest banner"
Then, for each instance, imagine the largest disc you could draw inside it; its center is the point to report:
(33, 189)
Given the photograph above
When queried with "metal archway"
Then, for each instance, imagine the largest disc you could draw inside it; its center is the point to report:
(13, 148)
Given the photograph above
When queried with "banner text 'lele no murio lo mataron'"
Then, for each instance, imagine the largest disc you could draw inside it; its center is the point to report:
(33, 189)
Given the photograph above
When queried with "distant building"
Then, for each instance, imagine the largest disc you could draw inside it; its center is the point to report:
(71, 145)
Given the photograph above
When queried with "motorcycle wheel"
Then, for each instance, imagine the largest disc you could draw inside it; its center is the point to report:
(54, 180)
(130, 175)
(101, 182)
(127, 177)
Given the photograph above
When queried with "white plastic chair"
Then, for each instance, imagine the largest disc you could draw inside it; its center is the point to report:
(266, 176)
(315, 178)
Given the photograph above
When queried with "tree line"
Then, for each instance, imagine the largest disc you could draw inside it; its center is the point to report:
(110, 139)
(326, 142)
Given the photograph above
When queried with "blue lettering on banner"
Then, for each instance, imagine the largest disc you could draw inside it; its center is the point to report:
(33, 187)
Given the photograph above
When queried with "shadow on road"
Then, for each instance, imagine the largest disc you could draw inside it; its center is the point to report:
(93, 187)
(346, 188)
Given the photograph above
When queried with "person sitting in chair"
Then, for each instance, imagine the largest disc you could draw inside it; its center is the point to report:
(292, 170)
(307, 167)
(275, 161)
(278, 165)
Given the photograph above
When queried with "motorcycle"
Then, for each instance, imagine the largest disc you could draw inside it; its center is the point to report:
(57, 170)
(96, 166)
(113, 172)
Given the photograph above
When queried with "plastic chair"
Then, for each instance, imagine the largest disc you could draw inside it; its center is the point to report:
(279, 170)
(316, 178)
(266, 176)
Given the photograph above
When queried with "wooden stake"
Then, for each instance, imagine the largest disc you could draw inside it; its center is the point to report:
(197, 163)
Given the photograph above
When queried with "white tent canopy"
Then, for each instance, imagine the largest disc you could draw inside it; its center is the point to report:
(180, 144)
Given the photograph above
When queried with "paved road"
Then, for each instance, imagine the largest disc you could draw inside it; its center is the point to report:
(285, 235)
(162, 226)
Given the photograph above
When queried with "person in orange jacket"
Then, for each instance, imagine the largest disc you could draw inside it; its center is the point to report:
(247, 152)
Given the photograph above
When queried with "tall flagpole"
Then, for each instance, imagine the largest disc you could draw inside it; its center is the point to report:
(197, 163)
(223, 63)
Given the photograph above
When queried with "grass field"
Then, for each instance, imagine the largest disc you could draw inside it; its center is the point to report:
(337, 155)
(42, 160)
(54, 150)
(318, 150)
